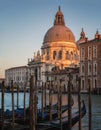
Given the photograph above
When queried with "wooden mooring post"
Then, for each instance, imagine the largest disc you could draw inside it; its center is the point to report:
(32, 107)
(35, 99)
(2, 105)
(45, 93)
(60, 101)
(79, 102)
(12, 87)
(69, 102)
(42, 101)
(17, 96)
(58, 98)
(50, 99)
(90, 105)
(30, 102)
(24, 102)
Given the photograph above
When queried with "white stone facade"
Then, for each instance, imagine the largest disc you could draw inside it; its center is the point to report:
(19, 76)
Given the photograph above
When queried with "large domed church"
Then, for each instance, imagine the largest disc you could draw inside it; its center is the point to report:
(58, 49)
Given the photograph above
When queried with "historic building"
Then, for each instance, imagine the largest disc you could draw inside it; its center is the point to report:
(19, 75)
(60, 53)
(90, 61)
(59, 49)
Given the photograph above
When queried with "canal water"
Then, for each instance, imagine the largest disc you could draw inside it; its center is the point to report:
(96, 107)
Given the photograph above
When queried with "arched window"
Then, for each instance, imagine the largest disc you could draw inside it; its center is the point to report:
(67, 55)
(94, 51)
(90, 68)
(43, 51)
(71, 55)
(82, 84)
(95, 83)
(59, 19)
(48, 50)
(82, 54)
(89, 53)
(83, 69)
(54, 55)
(36, 73)
(60, 55)
(95, 67)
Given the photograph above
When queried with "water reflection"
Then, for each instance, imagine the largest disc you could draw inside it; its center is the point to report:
(8, 100)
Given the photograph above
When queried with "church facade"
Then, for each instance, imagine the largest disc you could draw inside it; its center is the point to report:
(59, 49)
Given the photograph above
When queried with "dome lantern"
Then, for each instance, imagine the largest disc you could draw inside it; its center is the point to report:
(59, 18)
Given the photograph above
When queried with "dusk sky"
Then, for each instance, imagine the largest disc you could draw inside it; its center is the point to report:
(23, 24)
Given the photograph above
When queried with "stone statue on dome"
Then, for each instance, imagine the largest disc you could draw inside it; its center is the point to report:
(34, 55)
(38, 53)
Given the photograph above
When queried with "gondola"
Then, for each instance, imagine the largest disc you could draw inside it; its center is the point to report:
(41, 117)
(19, 112)
(46, 116)
(55, 124)
(55, 107)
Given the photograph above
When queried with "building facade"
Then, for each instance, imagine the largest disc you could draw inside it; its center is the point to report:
(90, 61)
(58, 49)
(19, 75)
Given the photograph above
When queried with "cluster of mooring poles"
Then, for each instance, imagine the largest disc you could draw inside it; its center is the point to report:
(10, 121)
(33, 101)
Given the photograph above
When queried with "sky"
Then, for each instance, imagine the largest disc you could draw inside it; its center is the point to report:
(23, 24)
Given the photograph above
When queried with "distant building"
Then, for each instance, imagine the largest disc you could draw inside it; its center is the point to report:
(90, 61)
(18, 75)
(59, 49)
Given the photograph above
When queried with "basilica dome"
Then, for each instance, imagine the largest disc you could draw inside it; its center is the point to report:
(59, 32)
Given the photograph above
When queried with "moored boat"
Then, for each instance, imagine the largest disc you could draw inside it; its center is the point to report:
(55, 124)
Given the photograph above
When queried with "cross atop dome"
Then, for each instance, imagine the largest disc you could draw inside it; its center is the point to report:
(59, 8)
